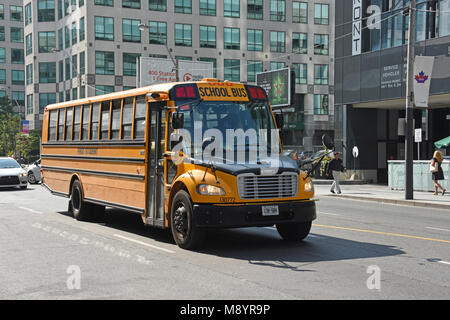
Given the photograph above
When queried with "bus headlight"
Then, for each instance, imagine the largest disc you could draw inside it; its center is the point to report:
(309, 187)
(209, 190)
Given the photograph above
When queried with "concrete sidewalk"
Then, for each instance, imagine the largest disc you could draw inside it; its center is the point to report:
(383, 194)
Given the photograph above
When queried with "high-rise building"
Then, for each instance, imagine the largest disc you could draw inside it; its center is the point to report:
(77, 48)
(12, 74)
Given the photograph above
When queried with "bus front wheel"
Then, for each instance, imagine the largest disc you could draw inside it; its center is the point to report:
(184, 231)
(80, 209)
(294, 231)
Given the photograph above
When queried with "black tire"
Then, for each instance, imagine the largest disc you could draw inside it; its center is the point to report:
(24, 187)
(184, 232)
(31, 178)
(81, 210)
(294, 231)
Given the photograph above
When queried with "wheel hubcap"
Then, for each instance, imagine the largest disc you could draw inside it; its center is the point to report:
(180, 220)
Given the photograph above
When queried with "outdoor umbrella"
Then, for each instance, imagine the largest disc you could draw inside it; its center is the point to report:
(443, 143)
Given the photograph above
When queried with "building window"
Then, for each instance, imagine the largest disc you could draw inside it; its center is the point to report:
(2, 33)
(60, 40)
(321, 104)
(277, 10)
(183, 35)
(157, 5)
(254, 40)
(231, 8)
(29, 73)
(300, 43)
(207, 37)
(299, 12)
(82, 62)
(29, 44)
(2, 55)
(255, 9)
(104, 62)
(67, 67)
(46, 10)
(321, 44)
(183, 6)
(30, 104)
(277, 41)
(231, 38)
(301, 73)
(108, 3)
(47, 72)
(60, 10)
(46, 41)
(19, 97)
(186, 58)
(275, 65)
(82, 30)
(17, 56)
(46, 99)
(129, 63)
(133, 4)
(61, 72)
(18, 77)
(28, 14)
(17, 35)
(74, 33)
(74, 66)
(2, 12)
(100, 89)
(214, 62)
(157, 32)
(67, 37)
(15, 13)
(104, 28)
(321, 74)
(253, 67)
(130, 30)
(2, 76)
(321, 13)
(208, 7)
(232, 69)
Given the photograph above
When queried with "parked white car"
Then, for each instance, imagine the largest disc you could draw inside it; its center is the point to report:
(12, 174)
(34, 172)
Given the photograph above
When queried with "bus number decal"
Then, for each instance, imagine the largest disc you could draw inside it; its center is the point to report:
(227, 199)
(87, 151)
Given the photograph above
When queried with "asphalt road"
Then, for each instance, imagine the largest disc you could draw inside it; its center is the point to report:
(356, 250)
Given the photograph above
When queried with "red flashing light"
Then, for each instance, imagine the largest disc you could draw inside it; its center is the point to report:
(261, 94)
(190, 92)
(180, 93)
(185, 92)
(253, 93)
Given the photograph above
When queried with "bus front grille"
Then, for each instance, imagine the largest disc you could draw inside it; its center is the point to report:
(251, 186)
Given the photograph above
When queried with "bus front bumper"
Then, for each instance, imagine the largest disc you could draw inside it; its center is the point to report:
(250, 215)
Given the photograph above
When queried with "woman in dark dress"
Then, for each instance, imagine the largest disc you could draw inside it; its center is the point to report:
(439, 174)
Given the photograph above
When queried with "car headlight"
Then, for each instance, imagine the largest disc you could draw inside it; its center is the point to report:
(209, 190)
(21, 175)
(309, 187)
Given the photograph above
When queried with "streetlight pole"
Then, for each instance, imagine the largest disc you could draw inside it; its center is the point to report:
(409, 185)
(142, 27)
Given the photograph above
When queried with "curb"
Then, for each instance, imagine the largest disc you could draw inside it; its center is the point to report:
(342, 182)
(411, 203)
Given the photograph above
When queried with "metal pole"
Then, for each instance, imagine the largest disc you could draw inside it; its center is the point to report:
(409, 191)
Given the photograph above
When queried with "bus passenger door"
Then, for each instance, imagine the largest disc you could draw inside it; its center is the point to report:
(155, 169)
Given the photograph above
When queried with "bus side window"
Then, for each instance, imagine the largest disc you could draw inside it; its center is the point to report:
(52, 125)
(139, 118)
(115, 119)
(127, 118)
(76, 123)
(69, 114)
(94, 125)
(62, 116)
(105, 120)
(85, 124)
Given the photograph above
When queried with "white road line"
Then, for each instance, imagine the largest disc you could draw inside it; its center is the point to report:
(330, 214)
(30, 210)
(438, 229)
(444, 262)
(143, 243)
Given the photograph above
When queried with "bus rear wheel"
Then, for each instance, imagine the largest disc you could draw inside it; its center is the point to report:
(81, 210)
(185, 233)
(294, 231)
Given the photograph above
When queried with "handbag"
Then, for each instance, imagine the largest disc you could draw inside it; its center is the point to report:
(433, 169)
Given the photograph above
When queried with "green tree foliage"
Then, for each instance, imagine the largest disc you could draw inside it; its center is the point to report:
(28, 145)
(9, 127)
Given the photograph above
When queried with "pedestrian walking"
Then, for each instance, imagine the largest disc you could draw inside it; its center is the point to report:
(335, 167)
(436, 171)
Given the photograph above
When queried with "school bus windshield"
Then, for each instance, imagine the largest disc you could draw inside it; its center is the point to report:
(219, 118)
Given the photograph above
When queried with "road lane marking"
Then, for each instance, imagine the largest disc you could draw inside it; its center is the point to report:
(439, 229)
(143, 243)
(382, 233)
(444, 262)
(30, 210)
(329, 214)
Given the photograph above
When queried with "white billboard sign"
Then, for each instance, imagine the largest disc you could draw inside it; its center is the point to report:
(423, 67)
(153, 71)
(356, 27)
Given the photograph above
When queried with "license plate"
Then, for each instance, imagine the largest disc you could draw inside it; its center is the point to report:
(270, 210)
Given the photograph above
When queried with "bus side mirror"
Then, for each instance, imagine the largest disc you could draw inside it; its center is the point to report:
(279, 120)
(177, 120)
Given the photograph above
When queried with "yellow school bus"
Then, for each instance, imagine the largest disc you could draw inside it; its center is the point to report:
(132, 150)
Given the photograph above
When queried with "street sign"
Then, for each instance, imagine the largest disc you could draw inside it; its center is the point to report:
(25, 126)
(355, 152)
(277, 84)
(418, 135)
